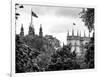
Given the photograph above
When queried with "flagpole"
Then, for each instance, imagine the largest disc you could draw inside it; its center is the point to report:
(31, 16)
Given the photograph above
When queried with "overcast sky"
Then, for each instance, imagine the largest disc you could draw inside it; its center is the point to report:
(55, 21)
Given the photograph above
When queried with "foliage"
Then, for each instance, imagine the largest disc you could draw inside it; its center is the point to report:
(32, 53)
(90, 53)
(25, 57)
(35, 54)
(63, 59)
(53, 41)
(88, 17)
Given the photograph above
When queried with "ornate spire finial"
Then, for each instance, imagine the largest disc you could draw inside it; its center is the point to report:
(22, 30)
(77, 33)
(40, 25)
(72, 32)
(40, 32)
(22, 27)
(80, 33)
(31, 30)
(68, 33)
(84, 34)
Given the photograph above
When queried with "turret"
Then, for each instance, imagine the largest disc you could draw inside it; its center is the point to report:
(72, 32)
(84, 34)
(68, 33)
(22, 31)
(77, 33)
(40, 31)
(31, 30)
(80, 33)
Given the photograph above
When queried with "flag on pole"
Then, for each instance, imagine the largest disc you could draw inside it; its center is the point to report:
(21, 6)
(74, 24)
(17, 14)
(34, 14)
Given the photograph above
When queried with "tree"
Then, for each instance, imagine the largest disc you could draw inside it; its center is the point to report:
(25, 57)
(53, 41)
(88, 17)
(90, 53)
(63, 59)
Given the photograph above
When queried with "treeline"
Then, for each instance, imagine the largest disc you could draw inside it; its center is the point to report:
(35, 54)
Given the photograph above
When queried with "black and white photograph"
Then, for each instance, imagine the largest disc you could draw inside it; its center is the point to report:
(53, 38)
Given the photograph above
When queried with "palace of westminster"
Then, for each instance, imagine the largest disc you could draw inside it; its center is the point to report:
(77, 41)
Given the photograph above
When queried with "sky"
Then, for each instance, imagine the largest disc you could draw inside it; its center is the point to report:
(56, 21)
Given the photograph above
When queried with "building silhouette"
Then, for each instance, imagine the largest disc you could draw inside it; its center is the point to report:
(77, 41)
(40, 31)
(31, 31)
(22, 31)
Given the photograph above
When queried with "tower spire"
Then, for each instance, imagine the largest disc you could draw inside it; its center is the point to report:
(84, 34)
(77, 33)
(31, 30)
(68, 33)
(22, 30)
(80, 33)
(72, 32)
(63, 44)
(40, 32)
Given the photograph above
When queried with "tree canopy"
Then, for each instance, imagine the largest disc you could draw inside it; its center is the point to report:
(87, 16)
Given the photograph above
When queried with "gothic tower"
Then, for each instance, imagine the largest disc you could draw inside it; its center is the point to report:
(84, 34)
(31, 30)
(72, 32)
(40, 31)
(31, 27)
(68, 33)
(77, 33)
(80, 33)
(22, 31)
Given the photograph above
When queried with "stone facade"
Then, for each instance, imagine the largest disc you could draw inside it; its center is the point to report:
(77, 42)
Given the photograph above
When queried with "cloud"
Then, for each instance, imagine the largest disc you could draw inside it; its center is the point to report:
(56, 11)
(58, 28)
(53, 24)
(69, 12)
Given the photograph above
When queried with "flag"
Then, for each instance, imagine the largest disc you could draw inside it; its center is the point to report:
(17, 14)
(74, 24)
(16, 4)
(34, 14)
(16, 17)
(21, 6)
